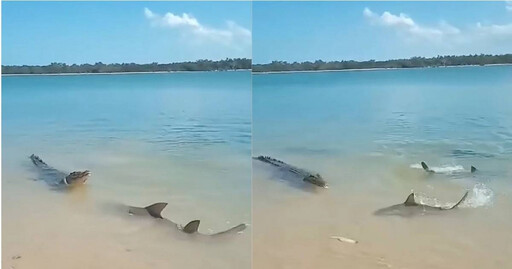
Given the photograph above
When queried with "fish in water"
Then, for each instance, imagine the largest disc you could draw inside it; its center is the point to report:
(313, 178)
(191, 228)
(426, 168)
(58, 178)
(411, 208)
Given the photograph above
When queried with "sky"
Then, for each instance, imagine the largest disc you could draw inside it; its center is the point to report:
(39, 33)
(307, 31)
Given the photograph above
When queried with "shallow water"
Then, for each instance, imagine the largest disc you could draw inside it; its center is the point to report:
(181, 138)
(366, 133)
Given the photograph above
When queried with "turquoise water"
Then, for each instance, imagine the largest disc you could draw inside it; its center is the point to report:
(366, 133)
(175, 112)
(181, 138)
(441, 115)
(185, 139)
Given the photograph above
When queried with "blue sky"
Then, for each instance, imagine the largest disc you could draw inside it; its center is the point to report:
(307, 31)
(140, 32)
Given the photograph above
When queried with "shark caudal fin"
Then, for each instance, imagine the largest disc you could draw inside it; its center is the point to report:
(473, 169)
(460, 202)
(191, 227)
(237, 229)
(410, 200)
(155, 210)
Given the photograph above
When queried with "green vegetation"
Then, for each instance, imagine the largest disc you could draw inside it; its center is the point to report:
(279, 66)
(200, 65)
(243, 63)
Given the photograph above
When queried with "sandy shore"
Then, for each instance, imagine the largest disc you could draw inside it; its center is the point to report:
(293, 228)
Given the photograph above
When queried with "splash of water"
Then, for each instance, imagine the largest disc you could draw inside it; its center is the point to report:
(481, 195)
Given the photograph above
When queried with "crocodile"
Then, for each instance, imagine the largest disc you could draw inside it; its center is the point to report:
(313, 178)
(57, 178)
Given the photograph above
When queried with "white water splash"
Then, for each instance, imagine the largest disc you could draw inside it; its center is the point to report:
(447, 169)
(481, 195)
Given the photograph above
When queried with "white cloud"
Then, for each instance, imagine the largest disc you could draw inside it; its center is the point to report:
(442, 33)
(494, 30)
(231, 35)
(404, 24)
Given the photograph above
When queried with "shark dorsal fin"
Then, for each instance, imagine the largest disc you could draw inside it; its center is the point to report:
(410, 200)
(473, 169)
(425, 166)
(155, 210)
(191, 227)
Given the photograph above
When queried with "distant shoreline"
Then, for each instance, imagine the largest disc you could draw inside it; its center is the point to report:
(255, 72)
(391, 64)
(122, 73)
(372, 69)
(56, 68)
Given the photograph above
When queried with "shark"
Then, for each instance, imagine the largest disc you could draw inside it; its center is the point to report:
(427, 169)
(57, 178)
(411, 208)
(313, 178)
(191, 228)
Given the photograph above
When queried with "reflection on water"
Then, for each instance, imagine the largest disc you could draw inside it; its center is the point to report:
(366, 134)
(183, 139)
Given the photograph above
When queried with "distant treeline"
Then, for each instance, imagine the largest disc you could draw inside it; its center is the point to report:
(482, 59)
(200, 65)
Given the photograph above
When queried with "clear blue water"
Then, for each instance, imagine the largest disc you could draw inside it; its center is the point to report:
(185, 138)
(199, 122)
(175, 112)
(180, 138)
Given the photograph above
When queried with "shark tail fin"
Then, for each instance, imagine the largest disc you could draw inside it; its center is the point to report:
(234, 230)
(473, 169)
(191, 227)
(460, 201)
(155, 210)
(410, 200)
(425, 166)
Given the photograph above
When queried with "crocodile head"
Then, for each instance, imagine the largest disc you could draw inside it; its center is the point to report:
(317, 180)
(77, 177)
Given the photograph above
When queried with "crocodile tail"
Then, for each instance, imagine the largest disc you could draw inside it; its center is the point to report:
(37, 161)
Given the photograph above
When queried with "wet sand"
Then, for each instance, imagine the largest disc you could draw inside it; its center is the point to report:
(80, 229)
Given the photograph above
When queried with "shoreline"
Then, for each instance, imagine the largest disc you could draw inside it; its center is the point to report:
(371, 69)
(121, 73)
(255, 73)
